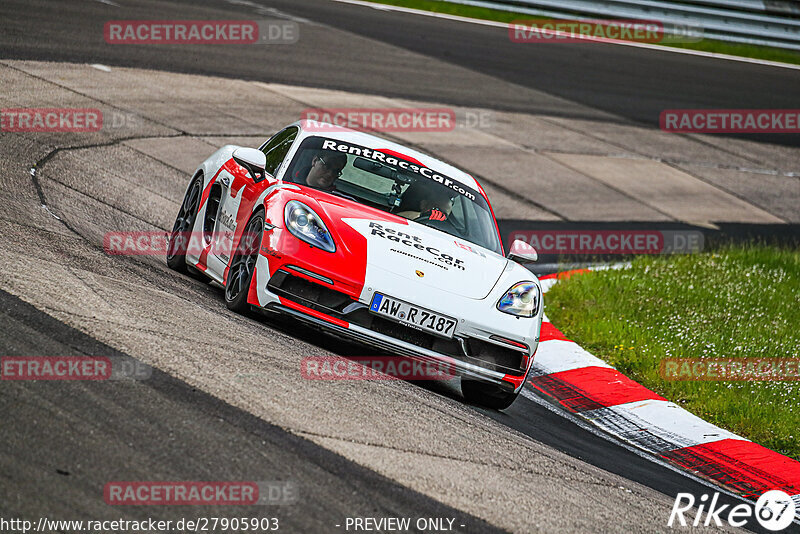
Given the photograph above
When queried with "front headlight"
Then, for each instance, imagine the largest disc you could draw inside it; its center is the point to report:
(522, 300)
(307, 226)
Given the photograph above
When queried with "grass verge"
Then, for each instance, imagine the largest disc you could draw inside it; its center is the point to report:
(735, 303)
(706, 45)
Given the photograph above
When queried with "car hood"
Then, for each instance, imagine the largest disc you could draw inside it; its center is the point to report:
(429, 257)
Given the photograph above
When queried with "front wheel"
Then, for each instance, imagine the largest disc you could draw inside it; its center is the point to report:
(243, 265)
(488, 395)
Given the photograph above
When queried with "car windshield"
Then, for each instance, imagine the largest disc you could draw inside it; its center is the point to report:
(387, 181)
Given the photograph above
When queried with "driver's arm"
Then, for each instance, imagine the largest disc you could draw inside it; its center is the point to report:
(409, 214)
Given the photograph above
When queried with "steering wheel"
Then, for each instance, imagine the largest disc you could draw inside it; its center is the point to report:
(443, 225)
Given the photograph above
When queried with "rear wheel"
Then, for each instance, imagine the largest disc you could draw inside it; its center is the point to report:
(243, 265)
(488, 395)
(182, 229)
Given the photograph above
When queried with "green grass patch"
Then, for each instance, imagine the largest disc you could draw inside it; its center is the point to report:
(706, 45)
(735, 303)
(449, 8)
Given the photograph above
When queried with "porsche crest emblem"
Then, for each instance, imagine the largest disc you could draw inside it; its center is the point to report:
(420, 274)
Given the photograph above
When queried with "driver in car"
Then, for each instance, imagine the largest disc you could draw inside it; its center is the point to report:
(325, 168)
(435, 203)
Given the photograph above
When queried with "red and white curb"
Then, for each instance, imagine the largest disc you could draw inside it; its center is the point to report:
(596, 392)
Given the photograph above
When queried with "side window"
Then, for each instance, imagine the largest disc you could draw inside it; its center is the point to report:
(277, 148)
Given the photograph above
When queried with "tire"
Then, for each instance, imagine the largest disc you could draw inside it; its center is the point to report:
(184, 223)
(487, 395)
(243, 264)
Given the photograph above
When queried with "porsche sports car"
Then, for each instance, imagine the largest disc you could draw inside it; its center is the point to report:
(368, 240)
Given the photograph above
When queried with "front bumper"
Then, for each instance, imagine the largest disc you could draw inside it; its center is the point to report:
(300, 290)
(380, 341)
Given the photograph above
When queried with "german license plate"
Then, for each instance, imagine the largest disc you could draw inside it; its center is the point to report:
(413, 316)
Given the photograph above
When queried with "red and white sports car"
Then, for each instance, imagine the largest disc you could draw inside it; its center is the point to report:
(369, 240)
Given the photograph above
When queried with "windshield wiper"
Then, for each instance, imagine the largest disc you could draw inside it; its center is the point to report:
(340, 194)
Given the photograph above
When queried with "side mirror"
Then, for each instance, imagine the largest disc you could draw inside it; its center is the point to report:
(522, 252)
(253, 160)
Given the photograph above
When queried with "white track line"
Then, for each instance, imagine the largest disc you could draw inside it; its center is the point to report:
(638, 451)
(664, 419)
(653, 426)
(650, 46)
(555, 356)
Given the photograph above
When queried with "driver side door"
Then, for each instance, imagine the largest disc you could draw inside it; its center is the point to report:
(239, 192)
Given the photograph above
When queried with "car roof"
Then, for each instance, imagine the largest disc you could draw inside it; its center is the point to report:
(340, 133)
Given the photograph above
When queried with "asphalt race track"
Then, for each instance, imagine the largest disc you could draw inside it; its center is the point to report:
(380, 52)
(163, 425)
(226, 400)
